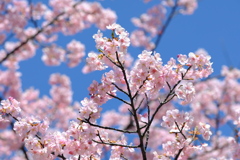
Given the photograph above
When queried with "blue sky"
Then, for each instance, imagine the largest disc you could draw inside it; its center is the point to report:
(214, 26)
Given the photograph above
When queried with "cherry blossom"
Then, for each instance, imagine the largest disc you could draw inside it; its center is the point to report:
(169, 109)
(10, 106)
(76, 53)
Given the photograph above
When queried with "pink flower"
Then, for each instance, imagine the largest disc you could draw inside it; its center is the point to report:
(182, 59)
(113, 26)
(10, 106)
(189, 6)
(205, 130)
(25, 127)
(89, 109)
(138, 39)
(76, 54)
(61, 91)
(186, 92)
(94, 63)
(177, 121)
(53, 55)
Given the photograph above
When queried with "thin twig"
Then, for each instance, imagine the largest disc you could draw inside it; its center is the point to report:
(140, 87)
(180, 130)
(120, 99)
(171, 15)
(108, 128)
(120, 89)
(140, 104)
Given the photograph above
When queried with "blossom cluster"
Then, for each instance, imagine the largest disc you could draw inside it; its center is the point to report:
(66, 16)
(181, 124)
(148, 23)
(10, 106)
(148, 75)
(112, 49)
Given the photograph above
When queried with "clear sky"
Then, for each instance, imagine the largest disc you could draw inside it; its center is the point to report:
(214, 26)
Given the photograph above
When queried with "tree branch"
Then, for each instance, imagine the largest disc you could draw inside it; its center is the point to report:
(174, 8)
(109, 128)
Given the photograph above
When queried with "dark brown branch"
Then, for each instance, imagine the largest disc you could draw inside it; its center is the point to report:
(140, 104)
(24, 152)
(130, 111)
(13, 117)
(134, 111)
(108, 128)
(119, 99)
(123, 157)
(61, 156)
(147, 137)
(139, 88)
(178, 154)
(168, 85)
(120, 89)
(180, 130)
(112, 61)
